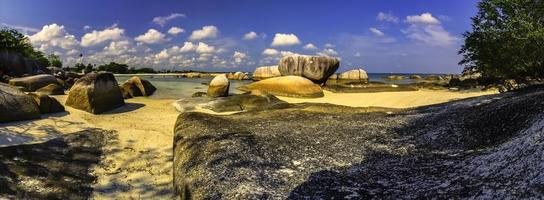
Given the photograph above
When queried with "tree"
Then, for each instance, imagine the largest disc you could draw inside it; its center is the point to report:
(14, 41)
(114, 67)
(507, 40)
(54, 60)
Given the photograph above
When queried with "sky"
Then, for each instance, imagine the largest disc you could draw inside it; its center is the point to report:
(386, 36)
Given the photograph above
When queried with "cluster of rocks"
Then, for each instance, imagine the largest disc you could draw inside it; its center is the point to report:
(231, 75)
(17, 105)
(135, 87)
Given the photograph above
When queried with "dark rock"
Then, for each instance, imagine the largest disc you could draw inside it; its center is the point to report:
(316, 68)
(199, 94)
(246, 102)
(136, 86)
(51, 89)
(32, 83)
(478, 148)
(95, 92)
(16, 105)
(47, 104)
(15, 64)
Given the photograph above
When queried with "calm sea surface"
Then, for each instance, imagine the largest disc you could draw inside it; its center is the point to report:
(172, 87)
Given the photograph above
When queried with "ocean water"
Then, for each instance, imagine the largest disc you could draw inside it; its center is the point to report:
(174, 87)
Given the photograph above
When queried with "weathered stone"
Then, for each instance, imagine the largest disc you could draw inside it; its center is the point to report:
(47, 104)
(290, 86)
(246, 102)
(414, 76)
(219, 86)
(95, 92)
(136, 86)
(316, 68)
(265, 72)
(237, 76)
(51, 89)
(16, 105)
(15, 64)
(354, 75)
(199, 94)
(32, 83)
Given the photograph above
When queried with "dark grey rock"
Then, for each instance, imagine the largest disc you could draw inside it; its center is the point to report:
(15, 105)
(316, 68)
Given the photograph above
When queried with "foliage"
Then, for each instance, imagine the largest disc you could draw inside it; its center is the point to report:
(142, 71)
(14, 41)
(54, 60)
(507, 40)
(114, 67)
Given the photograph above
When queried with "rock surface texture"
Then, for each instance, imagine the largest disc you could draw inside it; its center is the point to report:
(16, 105)
(219, 86)
(51, 89)
(47, 104)
(266, 72)
(32, 83)
(95, 92)
(354, 75)
(290, 86)
(14, 64)
(316, 68)
(136, 86)
(488, 147)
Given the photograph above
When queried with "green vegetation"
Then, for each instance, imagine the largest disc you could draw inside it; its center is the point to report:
(507, 40)
(14, 41)
(54, 60)
(114, 67)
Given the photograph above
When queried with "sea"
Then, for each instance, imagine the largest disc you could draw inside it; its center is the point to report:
(175, 87)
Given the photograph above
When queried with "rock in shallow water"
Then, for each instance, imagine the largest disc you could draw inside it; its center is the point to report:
(290, 86)
(266, 72)
(95, 92)
(484, 147)
(136, 86)
(16, 105)
(316, 68)
(354, 75)
(219, 86)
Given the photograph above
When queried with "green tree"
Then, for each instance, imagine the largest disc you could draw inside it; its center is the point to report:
(14, 41)
(507, 40)
(114, 67)
(54, 60)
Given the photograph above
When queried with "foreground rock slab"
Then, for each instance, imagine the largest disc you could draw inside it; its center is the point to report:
(316, 68)
(289, 86)
(96, 92)
(484, 147)
(16, 105)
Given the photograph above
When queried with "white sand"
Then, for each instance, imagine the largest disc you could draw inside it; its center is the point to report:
(139, 164)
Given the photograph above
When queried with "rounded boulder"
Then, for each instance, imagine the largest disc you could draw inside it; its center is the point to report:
(96, 92)
(289, 86)
(316, 68)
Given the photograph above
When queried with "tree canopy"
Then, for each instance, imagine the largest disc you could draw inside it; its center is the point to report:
(14, 41)
(507, 40)
(114, 67)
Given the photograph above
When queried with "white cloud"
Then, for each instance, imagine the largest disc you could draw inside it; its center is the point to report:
(152, 36)
(53, 35)
(204, 33)
(201, 48)
(282, 39)
(118, 48)
(376, 32)
(239, 57)
(433, 35)
(162, 20)
(328, 52)
(175, 30)
(387, 17)
(250, 36)
(86, 27)
(425, 18)
(23, 29)
(97, 37)
(270, 52)
(309, 46)
(329, 45)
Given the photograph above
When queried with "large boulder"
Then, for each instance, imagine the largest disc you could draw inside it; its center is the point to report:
(290, 86)
(51, 89)
(16, 105)
(315, 68)
(219, 86)
(237, 76)
(15, 64)
(245, 102)
(32, 83)
(354, 75)
(266, 72)
(95, 92)
(136, 86)
(47, 104)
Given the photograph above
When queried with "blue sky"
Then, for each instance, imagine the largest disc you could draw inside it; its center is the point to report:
(378, 36)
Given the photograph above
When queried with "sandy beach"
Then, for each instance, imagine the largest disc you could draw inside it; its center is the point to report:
(138, 163)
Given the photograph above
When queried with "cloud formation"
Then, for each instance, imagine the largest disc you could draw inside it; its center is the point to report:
(98, 37)
(425, 18)
(376, 31)
(309, 46)
(205, 33)
(175, 30)
(284, 39)
(162, 20)
(387, 17)
(51, 36)
(152, 36)
(250, 36)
